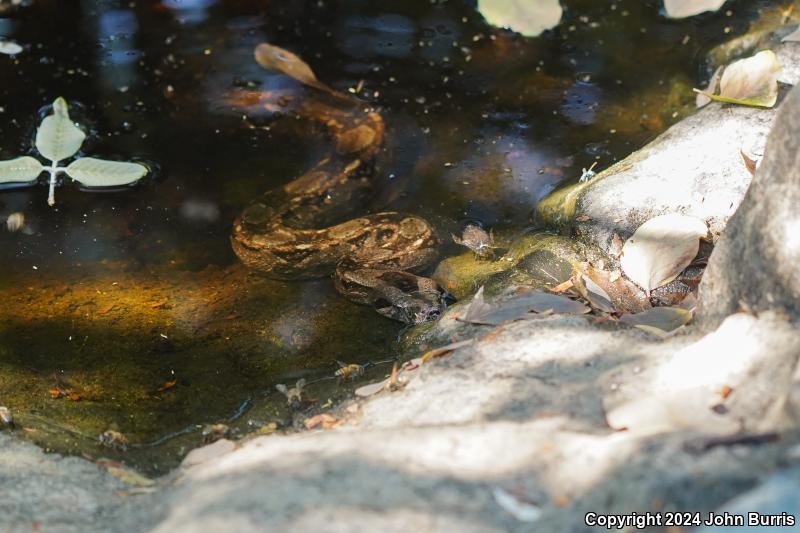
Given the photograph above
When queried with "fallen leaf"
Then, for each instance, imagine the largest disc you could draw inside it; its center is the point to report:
(371, 389)
(15, 221)
(9, 48)
(55, 393)
(661, 248)
(752, 81)
(516, 506)
(167, 385)
(593, 293)
(701, 99)
(158, 305)
(659, 320)
(444, 350)
(520, 306)
(749, 163)
(725, 391)
(678, 9)
(477, 307)
(583, 218)
(528, 17)
(562, 287)
(324, 420)
(105, 310)
(74, 396)
(276, 58)
(130, 477)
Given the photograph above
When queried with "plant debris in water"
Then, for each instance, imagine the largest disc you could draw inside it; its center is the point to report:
(59, 139)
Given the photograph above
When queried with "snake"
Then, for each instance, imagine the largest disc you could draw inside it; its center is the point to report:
(309, 227)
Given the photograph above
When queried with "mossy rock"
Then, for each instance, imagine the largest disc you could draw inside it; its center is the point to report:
(540, 259)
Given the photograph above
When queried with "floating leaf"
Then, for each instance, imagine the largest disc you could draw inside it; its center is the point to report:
(752, 81)
(93, 172)
(528, 17)
(20, 170)
(10, 48)
(276, 58)
(58, 138)
(678, 9)
(661, 248)
(15, 221)
(659, 320)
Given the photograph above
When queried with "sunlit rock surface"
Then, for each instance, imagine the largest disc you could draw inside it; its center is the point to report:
(694, 168)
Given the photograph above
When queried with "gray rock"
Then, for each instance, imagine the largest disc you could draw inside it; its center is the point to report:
(755, 265)
(694, 168)
(778, 494)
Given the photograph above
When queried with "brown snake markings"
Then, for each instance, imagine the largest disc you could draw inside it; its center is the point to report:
(293, 232)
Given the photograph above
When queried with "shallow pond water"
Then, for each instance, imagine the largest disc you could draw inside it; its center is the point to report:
(129, 311)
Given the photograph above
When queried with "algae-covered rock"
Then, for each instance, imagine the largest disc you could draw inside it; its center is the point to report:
(539, 259)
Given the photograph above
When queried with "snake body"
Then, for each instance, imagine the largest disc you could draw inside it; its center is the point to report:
(295, 232)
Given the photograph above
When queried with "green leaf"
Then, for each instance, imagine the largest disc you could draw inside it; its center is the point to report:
(93, 172)
(528, 17)
(20, 170)
(58, 138)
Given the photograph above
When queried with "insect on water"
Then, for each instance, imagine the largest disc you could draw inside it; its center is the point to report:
(58, 139)
(349, 371)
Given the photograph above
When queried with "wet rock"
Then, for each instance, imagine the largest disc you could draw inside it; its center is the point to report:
(754, 266)
(540, 259)
(694, 168)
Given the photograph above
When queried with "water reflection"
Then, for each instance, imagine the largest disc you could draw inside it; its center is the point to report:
(190, 12)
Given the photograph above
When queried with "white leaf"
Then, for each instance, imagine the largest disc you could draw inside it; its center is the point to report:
(518, 507)
(20, 170)
(752, 81)
(678, 9)
(93, 172)
(528, 17)
(9, 48)
(58, 138)
(661, 248)
(702, 98)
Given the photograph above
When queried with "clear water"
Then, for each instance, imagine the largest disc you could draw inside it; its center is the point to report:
(111, 297)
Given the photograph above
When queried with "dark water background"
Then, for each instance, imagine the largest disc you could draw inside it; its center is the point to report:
(482, 124)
